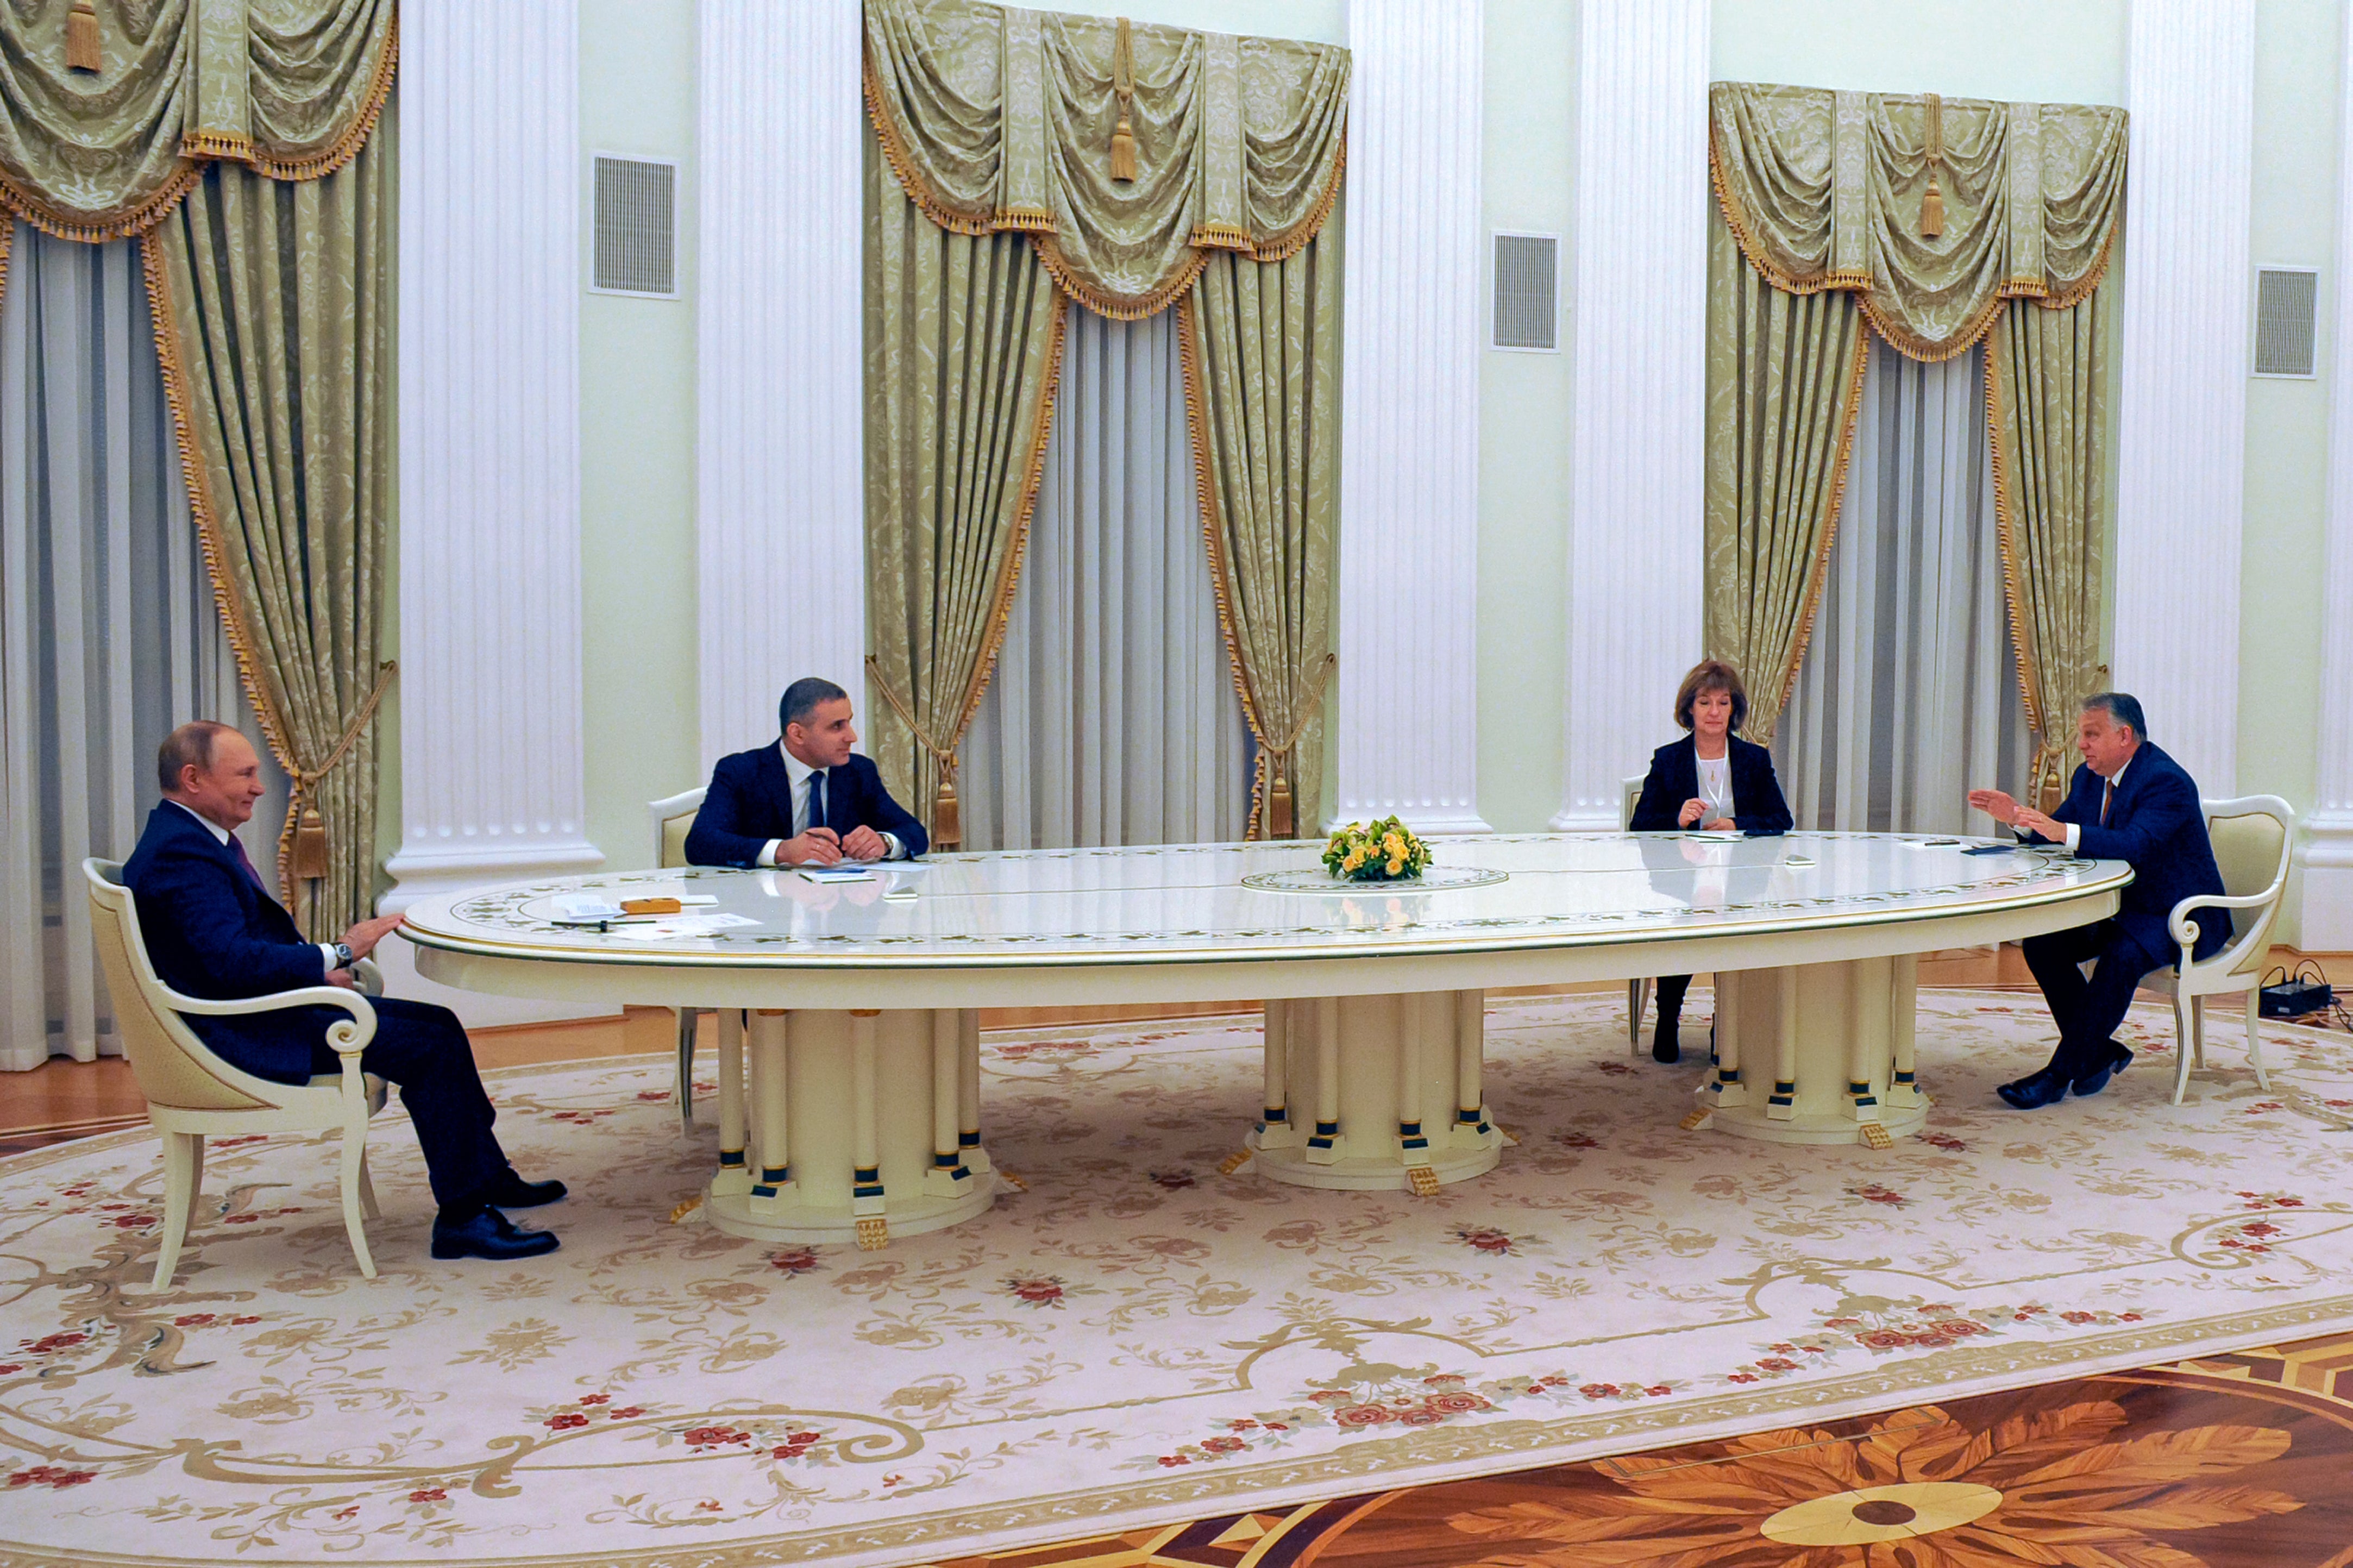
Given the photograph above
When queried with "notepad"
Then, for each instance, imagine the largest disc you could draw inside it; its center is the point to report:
(837, 873)
(1716, 835)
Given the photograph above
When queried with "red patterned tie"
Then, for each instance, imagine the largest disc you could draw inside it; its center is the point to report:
(2107, 794)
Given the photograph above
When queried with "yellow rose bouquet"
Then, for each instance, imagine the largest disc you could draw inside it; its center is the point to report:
(1387, 851)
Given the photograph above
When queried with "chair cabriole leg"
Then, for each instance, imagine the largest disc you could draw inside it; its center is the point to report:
(354, 1165)
(179, 1201)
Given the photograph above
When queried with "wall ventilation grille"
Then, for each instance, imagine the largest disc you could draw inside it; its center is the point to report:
(1527, 291)
(636, 227)
(2287, 302)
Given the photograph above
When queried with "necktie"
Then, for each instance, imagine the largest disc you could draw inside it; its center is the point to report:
(817, 812)
(246, 861)
(2107, 794)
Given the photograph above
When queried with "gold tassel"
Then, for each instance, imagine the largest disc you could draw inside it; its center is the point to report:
(1932, 211)
(1123, 82)
(82, 50)
(1278, 806)
(309, 851)
(947, 829)
(1932, 205)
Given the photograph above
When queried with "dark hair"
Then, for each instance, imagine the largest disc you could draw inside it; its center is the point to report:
(189, 746)
(1711, 675)
(2121, 709)
(801, 698)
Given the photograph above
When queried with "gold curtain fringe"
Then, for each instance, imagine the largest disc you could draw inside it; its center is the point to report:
(1000, 614)
(1903, 342)
(1218, 237)
(1752, 250)
(1283, 247)
(1029, 220)
(1205, 486)
(197, 145)
(318, 165)
(1820, 571)
(127, 225)
(2029, 676)
(1118, 307)
(901, 161)
(208, 519)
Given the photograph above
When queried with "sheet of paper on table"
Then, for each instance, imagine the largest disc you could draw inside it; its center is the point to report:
(671, 926)
(1716, 835)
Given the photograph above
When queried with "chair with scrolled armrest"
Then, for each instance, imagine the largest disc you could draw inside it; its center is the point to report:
(192, 1094)
(2253, 836)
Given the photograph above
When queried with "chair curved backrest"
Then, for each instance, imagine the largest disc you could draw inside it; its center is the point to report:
(673, 820)
(2254, 838)
(1630, 795)
(173, 1067)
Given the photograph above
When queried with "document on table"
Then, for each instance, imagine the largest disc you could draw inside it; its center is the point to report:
(669, 926)
(1716, 835)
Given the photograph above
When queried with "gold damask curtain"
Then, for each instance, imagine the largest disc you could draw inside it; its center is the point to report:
(251, 142)
(1939, 221)
(1012, 133)
(287, 89)
(996, 118)
(1260, 344)
(963, 346)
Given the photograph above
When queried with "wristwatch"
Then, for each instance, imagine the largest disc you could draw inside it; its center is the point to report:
(342, 955)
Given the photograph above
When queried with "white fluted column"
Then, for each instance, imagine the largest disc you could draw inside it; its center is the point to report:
(2182, 425)
(780, 486)
(2325, 855)
(1409, 416)
(490, 763)
(1637, 445)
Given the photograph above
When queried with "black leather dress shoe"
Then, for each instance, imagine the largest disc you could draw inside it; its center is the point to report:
(2116, 1061)
(1665, 1047)
(2035, 1090)
(511, 1192)
(491, 1235)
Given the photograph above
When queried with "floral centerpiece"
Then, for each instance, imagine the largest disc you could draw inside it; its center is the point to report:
(1387, 851)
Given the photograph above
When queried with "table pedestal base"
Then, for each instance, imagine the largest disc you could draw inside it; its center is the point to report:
(1376, 1093)
(849, 1126)
(1821, 1053)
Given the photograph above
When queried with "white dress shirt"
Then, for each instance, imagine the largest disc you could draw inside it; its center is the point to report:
(799, 772)
(326, 950)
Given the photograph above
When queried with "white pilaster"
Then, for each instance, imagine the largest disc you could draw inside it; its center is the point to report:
(1637, 439)
(2325, 856)
(1409, 571)
(2182, 425)
(781, 527)
(491, 762)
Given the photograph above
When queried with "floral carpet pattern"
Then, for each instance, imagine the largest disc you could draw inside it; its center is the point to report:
(1136, 1341)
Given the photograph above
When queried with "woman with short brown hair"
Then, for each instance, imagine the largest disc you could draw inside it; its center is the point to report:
(1712, 780)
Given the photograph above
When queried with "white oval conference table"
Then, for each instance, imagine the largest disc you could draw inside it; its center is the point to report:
(859, 1114)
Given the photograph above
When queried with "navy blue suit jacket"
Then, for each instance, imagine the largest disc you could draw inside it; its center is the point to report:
(750, 801)
(2155, 823)
(212, 934)
(1756, 804)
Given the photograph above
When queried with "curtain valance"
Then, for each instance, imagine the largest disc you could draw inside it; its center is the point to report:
(1826, 189)
(997, 118)
(289, 87)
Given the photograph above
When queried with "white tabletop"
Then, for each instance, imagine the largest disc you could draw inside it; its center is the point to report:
(1179, 904)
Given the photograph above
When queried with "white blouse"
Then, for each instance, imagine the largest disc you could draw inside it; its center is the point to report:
(1716, 786)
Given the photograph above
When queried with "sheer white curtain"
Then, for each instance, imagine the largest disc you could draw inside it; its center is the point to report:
(109, 637)
(1113, 716)
(1908, 696)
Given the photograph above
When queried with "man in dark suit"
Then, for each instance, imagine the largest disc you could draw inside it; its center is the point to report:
(213, 932)
(806, 800)
(2129, 801)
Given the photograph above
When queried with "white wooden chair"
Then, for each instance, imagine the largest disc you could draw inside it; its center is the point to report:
(192, 1094)
(1638, 991)
(2252, 837)
(673, 820)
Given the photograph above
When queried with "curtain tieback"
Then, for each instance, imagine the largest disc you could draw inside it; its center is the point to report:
(1309, 698)
(309, 856)
(1931, 203)
(947, 829)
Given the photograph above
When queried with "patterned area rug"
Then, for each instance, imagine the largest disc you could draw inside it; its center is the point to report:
(1136, 1340)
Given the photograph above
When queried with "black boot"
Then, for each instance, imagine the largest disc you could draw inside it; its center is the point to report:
(1664, 1046)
